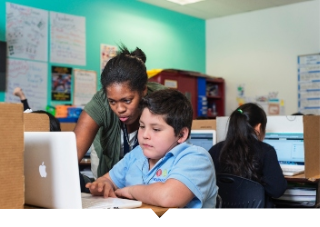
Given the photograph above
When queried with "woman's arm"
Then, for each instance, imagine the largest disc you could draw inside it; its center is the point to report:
(171, 193)
(85, 130)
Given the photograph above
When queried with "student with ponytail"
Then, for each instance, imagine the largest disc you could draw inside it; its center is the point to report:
(110, 121)
(243, 152)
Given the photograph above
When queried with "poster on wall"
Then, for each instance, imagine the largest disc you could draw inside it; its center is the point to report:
(309, 84)
(67, 39)
(26, 32)
(106, 53)
(61, 83)
(31, 77)
(85, 86)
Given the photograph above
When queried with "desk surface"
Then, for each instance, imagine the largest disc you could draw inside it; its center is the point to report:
(301, 178)
(157, 210)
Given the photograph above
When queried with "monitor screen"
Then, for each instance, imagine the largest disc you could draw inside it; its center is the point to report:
(289, 146)
(3, 65)
(203, 138)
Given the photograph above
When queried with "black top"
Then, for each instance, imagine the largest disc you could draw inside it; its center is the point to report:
(272, 179)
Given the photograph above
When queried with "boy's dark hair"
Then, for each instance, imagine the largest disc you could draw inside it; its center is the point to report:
(174, 106)
(126, 67)
(53, 121)
(238, 154)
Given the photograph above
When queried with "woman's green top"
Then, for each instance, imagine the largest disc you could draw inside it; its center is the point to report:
(107, 141)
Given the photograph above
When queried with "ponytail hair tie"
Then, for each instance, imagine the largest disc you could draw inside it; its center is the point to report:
(240, 110)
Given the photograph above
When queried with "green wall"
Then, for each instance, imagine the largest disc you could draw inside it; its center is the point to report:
(169, 39)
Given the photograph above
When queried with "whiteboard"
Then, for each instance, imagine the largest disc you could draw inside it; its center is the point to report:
(32, 78)
(26, 32)
(309, 84)
(85, 86)
(67, 39)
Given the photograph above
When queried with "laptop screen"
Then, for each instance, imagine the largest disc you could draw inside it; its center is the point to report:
(289, 147)
(203, 138)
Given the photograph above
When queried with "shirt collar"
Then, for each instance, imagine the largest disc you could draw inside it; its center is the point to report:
(178, 149)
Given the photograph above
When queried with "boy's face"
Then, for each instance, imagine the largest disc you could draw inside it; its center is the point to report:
(155, 136)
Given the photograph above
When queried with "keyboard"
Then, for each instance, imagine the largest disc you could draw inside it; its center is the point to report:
(98, 202)
(290, 170)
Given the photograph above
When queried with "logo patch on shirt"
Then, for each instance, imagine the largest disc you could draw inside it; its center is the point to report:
(161, 175)
(159, 172)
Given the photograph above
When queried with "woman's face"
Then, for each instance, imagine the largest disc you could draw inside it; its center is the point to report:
(124, 102)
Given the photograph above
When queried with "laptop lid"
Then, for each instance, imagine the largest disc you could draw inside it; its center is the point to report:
(52, 174)
(289, 146)
(203, 138)
(51, 170)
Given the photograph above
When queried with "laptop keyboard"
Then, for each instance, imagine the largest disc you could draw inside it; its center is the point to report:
(290, 170)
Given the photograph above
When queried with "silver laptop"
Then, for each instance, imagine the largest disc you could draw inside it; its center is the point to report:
(52, 174)
(203, 138)
(290, 151)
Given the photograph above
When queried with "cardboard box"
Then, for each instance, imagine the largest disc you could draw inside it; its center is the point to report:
(204, 124)
(11, 161)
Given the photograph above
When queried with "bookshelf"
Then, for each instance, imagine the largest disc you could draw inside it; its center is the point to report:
(206, 93)
(215, 94)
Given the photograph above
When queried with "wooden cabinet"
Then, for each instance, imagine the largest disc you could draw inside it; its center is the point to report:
(206, 94)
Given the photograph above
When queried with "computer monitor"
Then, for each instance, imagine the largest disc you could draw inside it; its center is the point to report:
(3, 65)
(203, 138)
(289, 146)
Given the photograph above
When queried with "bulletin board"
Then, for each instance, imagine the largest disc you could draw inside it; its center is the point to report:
(309, 84)
(28, 32)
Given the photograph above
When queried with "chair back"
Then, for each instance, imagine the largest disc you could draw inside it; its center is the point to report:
(219, 201)
(239, 192)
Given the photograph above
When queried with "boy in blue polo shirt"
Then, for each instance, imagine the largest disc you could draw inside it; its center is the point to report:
(164, 170)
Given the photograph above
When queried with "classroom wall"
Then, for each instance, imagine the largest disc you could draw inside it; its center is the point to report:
(169, 39)
(259, 49)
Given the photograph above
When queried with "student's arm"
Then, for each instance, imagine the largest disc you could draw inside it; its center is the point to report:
(103, 186)
(85, 130)
(171, 193)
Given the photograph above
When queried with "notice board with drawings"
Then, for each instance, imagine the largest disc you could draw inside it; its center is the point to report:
(309, 84)
(26, 32)
(32, 78)
(85, 86)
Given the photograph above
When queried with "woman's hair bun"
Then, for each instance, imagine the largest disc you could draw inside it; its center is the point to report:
(137, 53)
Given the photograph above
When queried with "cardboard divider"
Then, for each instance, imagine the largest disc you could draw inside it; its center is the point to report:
(11, 162)
(36, 122)
(67, 126)
(13, 124)
(311, 130)
(204, 124)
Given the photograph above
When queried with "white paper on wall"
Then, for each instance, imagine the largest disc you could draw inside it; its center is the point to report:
(26, 32)
(67, 39)
(32, 78)
(85, 86)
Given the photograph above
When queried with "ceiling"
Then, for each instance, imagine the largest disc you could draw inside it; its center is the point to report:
(219, 8)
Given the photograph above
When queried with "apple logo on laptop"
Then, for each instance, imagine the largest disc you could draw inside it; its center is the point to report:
(42, 170)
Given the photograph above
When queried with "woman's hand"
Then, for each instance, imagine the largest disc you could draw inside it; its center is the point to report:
(102, 186)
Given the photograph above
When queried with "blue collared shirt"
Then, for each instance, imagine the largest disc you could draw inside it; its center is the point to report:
(190, 164)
